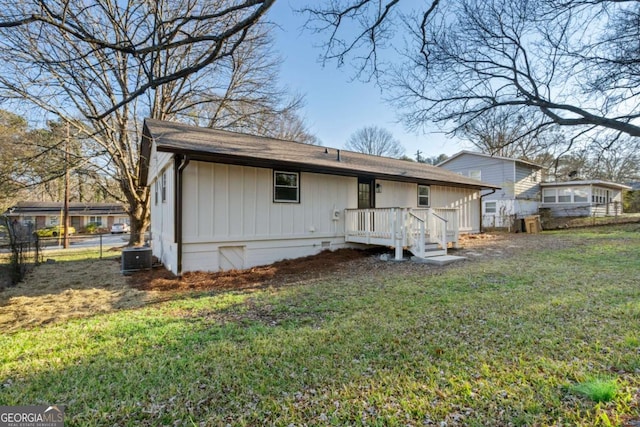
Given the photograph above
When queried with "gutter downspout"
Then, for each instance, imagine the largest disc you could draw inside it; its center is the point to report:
(481, 196)
(180, 163)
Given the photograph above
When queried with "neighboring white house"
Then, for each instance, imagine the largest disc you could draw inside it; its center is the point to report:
(224, 200)
(582, 198)
(519, 194)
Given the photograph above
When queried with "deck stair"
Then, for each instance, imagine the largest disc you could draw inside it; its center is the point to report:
(425, 232)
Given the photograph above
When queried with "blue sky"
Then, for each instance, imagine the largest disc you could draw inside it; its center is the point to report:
(336, 106)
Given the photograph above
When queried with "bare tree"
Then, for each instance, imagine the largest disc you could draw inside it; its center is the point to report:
(102, 65)
(32, 165)
(375, 140)
(569, 63)
(13, 133)
(619, 164)
(508, 133)
(433, 160)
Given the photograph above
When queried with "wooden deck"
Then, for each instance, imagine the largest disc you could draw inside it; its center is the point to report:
(404, 228)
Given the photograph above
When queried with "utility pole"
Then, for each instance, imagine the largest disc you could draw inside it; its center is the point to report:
(65, 243)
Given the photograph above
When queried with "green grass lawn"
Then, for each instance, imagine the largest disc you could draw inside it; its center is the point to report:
(493, 342)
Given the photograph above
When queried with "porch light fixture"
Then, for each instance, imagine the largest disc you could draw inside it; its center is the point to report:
(378, 188)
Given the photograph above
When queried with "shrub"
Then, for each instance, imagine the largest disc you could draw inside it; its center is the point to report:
(92, 227)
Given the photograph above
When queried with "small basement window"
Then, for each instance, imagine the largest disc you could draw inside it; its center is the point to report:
(286, 187)
(489, 207)
(424, 193)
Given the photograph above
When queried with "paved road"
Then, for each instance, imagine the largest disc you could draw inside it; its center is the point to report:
(108, 241)
(78, 241)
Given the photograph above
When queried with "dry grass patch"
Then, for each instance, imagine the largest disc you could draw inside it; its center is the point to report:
(65, 290)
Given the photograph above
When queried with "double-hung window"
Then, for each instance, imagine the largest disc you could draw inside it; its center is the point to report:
(489, 207)
(549, 195)
(164, 187)
(286, 187)
(580, 195)
(564, 195)
(424, 195)
(155, 192)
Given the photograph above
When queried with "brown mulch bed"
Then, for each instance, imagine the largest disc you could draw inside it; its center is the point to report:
(343, 263)
(283, 272)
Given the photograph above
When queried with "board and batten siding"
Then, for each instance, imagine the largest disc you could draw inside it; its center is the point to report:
(394, 194)
(467, 201)
(494, 171)
(162, 227)
(405, 195)
(231, 220)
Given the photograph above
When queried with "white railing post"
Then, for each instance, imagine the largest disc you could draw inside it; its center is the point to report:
(367, 225)
(398, 232)
(456, 229)
(422, 239)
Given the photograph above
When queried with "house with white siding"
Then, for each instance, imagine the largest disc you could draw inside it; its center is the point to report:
(223, 200)
(519, 193)
(582, 198)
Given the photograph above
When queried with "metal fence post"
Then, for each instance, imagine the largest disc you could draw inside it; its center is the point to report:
(100, 245)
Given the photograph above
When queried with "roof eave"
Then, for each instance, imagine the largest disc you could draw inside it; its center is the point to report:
(306, 167)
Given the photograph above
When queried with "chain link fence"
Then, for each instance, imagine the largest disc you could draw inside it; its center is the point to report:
(21, 248)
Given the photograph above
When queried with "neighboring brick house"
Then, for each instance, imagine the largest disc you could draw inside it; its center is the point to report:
(44, 214)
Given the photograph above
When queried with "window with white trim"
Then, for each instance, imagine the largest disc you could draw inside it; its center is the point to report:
(475, 174)
(564, 195)
(286, 187)
(97, 220)
(155, 192)
(489, 207)
(424, 195)
(549, 195)
(580, 195)
(164, 187)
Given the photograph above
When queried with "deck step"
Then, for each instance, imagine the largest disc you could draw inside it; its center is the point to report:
(430, 253)
(438, 260)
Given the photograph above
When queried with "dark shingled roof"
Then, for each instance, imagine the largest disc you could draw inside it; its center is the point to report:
(75, 209)
(236, 148)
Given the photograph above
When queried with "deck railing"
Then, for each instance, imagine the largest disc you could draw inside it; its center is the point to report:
(402, 227)
(416, 233)
(371, 224)
(453, 226)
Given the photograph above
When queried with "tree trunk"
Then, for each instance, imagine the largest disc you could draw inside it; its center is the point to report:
(139, 214)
